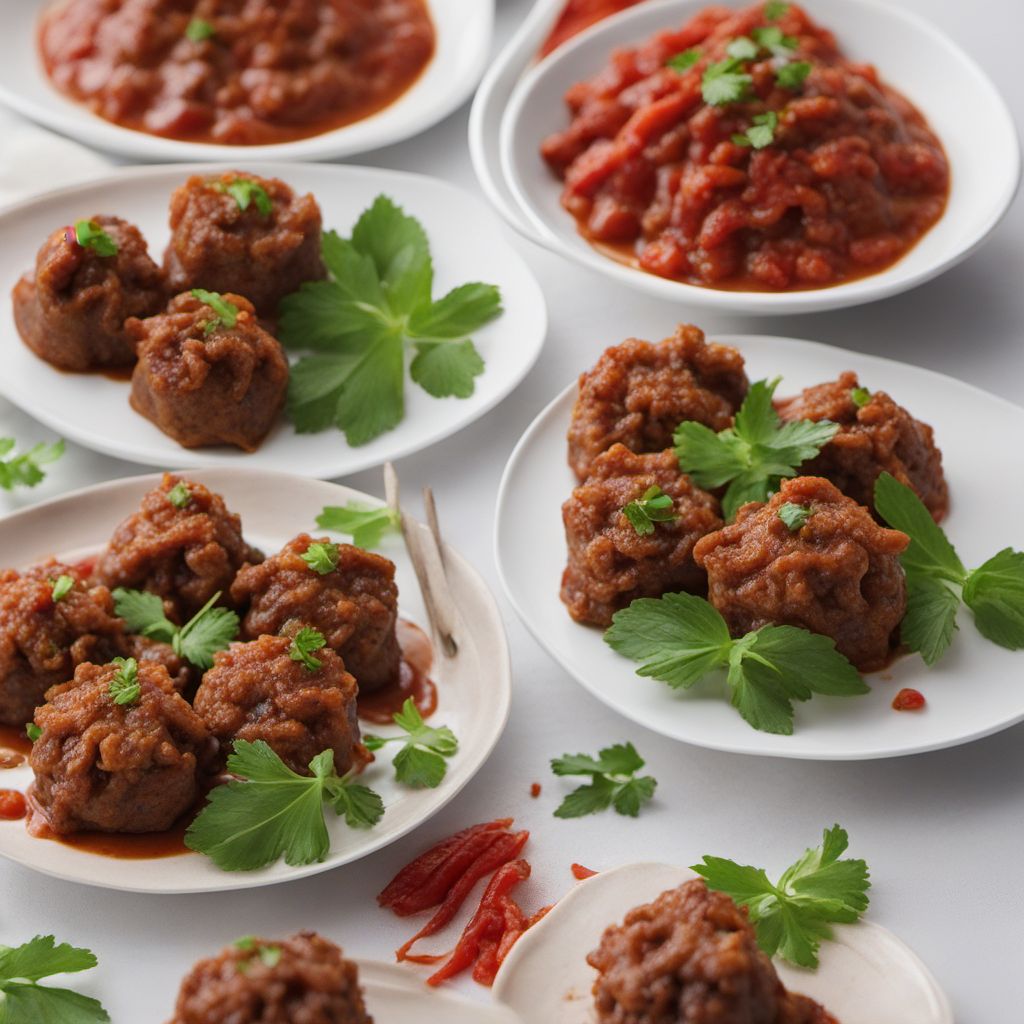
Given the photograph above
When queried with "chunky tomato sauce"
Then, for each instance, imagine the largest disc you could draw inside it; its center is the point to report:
(849, 179)
(236, 72)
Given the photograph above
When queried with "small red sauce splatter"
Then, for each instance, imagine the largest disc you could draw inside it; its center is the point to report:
(13, 806)
(535, 790)
(10, 759)
(380, 706)
(580, 873)
(908, 700)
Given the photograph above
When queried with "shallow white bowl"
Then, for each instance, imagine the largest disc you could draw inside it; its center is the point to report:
(958, 99)
(975, 690)
(463, 42)
(474, 688)
(467, 244)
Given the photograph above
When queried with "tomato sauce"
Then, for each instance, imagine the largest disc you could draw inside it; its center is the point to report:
(380, 706)
(13, 806)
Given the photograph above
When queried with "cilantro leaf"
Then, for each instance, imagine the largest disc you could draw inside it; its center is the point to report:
(613, 782)
(372, 399)
(761, 133)
(592, 798)
(40, 958)
(179, 495)
(304, 643)
(62, 586)
(125, 688)
(33, 732)
(792, 76)
(995, 594)
(314, 389)
(275, 812)
(724, 83)
(90, 235)
(685, 60)
(247, 192)
(771, 38)
(446, 369)
(860, 397)
(321, 557)
(365, 524)
(653, 506)
(198, 30)
(421, 761)
(23, 1000)
(227, 312)
(930, 620)
(463, 310)
(143, 614)
(794, 516)
(24, 470)
(775, 9)
(742, 48)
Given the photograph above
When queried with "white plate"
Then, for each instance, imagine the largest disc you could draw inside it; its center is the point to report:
(983, 149)
(866, 976)
(974, 691)
(274, 508)
(463, 43)
(467, 243)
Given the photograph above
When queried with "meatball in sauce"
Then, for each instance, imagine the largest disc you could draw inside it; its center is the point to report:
(72, 308)
(610, 562)
(838, 574)
(206, 380)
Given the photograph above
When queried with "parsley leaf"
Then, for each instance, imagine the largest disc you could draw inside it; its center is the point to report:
(304, 643)
(679, 639)
(198, 30)
(245, 193)
(860, 397)
(613, 782)
(742, 48)
(378, 301)
(90, 235)
(25, 469)
(421, 761)
(794, 516)
(752, 455)
(772, 39)
(995, 594)
(761, 133)
(724, 83)
(365, 524)
(321, 557)
(33, 732)
(227, 312)
(685, 60)
(654, 506)
(793, 75)
(62, 586)
(775, 9)
(22, 999)
(124, 687)
(792, 917)
(179, 495)
(276, 812)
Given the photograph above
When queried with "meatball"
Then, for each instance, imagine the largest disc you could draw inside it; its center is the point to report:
(304, 980)
(71, 310)
(875, 437)
(639, 392)
(263, 254)
(203, 381)
(256, 691)
(354, 605)
(109, 767)
(838, 574)
(43, 640)
(181, 673)
(610, 563)
(691, 957)
(182, 544)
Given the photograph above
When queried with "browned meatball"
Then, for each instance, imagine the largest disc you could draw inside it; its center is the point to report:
(181, 673)
(876, 437)
(256, 691)
(203, 382)
(610, 563)
(839, 574)
(185, 554)
(355, 605)
(42, 640)
(304, 980)
(217, 245)
(109, 767)
(639, 392)
(71, 310)
(691, 957)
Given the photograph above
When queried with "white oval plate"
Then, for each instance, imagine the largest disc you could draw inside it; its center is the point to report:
(274, 508)
(866, 976)
(463, 43)
(974, 691)
(983, 149)
(467, 243)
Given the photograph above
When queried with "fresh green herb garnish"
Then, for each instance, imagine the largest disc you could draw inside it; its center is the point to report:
(752, 455)
(245, 943)
(125, 688)
(322, 557)
(276, 812)
(793, 75)
(654, 506)
(613, 782)
(771, 38)
(179, 495)
(270, 956)
(62, 586)
(359, 323)
(742, 48)
(24, 469)
(208, 631)
(937, 580)
(199, 30)
(860, 397)
(761, 133)
(792, 917)
(227, 312)
(245, 192)
(304, 643)
(679, 639)
(90, 235)
(794, 516)
(775, 9)
(421, 763)
(33, 732)
(365, 524)
(685, 60)
(723, 82)
(24, 1001)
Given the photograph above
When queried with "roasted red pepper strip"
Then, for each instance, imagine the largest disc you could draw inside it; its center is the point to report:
(427, 880)
(579, 872)
(507, 846)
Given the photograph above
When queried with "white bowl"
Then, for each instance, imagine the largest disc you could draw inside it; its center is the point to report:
(954, 94)
(463, 43)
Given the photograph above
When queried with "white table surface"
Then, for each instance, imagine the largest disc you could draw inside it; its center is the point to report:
(943, 832)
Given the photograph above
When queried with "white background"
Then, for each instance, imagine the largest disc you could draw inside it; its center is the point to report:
(943, 832)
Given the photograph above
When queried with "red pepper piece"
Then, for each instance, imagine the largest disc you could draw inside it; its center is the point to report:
(908, 700)
(580, 873)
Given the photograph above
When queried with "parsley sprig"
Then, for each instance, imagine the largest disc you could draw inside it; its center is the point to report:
(754, 454)
(227, 312)
(365, 524)
(795, 516)
(321, 557)
(793, 916)
(938, 582)
(359, 323)
(208, 631)
(761, 133)
(613, 782)
(125, 688)
(23, 999)
(90, 235)
(422, 761)
(268, 811)
(679, 639)
(304, 643)
(246, 193)
(33, 731)
(685, 60)
(653, 506)
(725, 82)
(25, 469)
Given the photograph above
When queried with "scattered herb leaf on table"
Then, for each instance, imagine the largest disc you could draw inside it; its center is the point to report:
(613, 782)
(25, 469)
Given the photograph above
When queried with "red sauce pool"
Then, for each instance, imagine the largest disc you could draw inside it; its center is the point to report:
(13, 806)
(380, 706)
